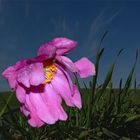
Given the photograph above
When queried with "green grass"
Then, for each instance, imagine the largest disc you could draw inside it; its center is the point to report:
(14, 103)
(105, 123)
(4, 96)
(136, 97)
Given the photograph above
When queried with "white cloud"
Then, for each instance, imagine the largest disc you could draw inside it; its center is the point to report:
(99, 26)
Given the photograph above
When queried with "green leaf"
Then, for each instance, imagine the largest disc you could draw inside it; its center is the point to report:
(93, 86)
(98, 57)
(4, 108)
(83, 134)
(110, 134)
(120, 51)
(106, 82)
(125, 138)
(133, 118)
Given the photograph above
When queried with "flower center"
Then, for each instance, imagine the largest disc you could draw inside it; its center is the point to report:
(49, 70)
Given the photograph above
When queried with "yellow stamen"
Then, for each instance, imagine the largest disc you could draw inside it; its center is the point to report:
(49, 70)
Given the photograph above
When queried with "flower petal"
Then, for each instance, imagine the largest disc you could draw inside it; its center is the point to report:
(47, 50)
(66, 89)
(76, 98)
(12, 82)
(53, 101)
(61, 84)
(62, 114)
(24, 110)
(42, 110)
(85, 67)
(32, 74)
(33, 119)
(37, 74)
(67, 63)
(20, 94)
(20, 64)
(63, 45)
(9, 74)
(23, 76)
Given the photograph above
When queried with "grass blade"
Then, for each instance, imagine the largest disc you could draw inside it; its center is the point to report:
(4, 108)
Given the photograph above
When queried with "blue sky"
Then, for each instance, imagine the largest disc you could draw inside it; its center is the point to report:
(25, 24)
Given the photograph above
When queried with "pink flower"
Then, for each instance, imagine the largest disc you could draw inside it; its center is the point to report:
(41, 83)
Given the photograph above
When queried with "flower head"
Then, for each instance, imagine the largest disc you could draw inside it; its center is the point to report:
(41, 83)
